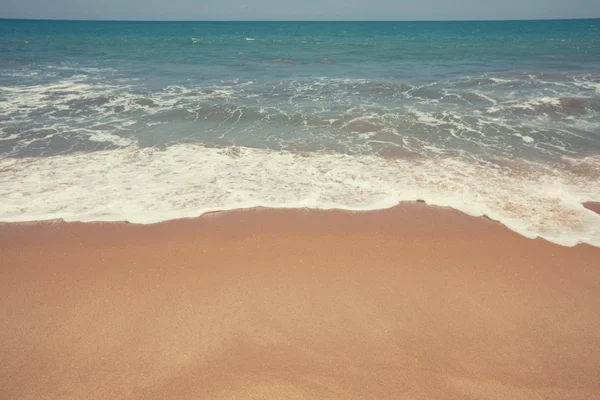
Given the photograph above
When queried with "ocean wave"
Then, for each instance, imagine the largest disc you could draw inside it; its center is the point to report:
(151, 185)
(349, 115)
(107, 137)
(549, 104)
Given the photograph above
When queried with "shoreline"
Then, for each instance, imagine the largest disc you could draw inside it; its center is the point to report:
(254, 214)
(414, 301)
(243, 222)
(78, 187)
(592, 206)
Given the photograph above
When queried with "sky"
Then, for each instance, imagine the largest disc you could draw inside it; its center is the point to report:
(299, 9)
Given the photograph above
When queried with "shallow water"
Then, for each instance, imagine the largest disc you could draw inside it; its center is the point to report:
(152, 121)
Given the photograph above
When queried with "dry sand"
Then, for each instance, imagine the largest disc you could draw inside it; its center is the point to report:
(414, 302)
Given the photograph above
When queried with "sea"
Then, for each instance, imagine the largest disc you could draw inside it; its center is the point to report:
(152, 121)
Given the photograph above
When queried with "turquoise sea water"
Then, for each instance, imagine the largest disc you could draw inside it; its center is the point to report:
(146, 121)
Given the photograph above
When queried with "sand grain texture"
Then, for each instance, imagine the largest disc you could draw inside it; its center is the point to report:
(413, 302)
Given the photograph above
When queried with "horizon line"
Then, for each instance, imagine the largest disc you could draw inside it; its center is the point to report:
(299, 20)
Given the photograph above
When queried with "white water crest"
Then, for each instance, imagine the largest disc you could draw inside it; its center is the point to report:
(150, 185)
(99, 110)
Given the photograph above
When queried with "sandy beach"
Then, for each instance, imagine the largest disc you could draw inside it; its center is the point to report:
(414, 302)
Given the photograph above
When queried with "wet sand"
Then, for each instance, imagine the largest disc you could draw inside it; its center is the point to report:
(415, 302)
(593, 205)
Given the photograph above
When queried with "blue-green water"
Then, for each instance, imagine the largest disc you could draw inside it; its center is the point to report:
(351, 115)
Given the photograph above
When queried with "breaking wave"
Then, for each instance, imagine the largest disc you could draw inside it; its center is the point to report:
(185, 180)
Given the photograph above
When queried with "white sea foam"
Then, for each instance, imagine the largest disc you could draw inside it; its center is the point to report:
(9, 136)
(150, 185)
(586, 82)
(499, 80)
(527, 139)
(530, 104)
(107, 137)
